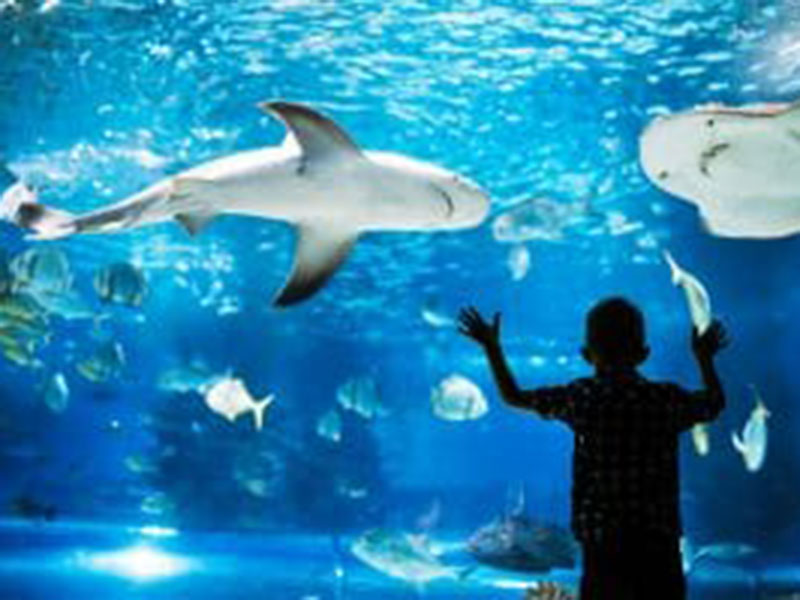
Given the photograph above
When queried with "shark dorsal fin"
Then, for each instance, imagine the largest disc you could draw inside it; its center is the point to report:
(318, 136)
(319, 250)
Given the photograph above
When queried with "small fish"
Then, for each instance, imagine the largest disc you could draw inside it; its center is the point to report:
(700, 439)
(718, 552)
(403, 556)
(229, 397)
(67, 305)
(456, 398)
(30, 508)
(519, 262)
(42, 268)
(329, 426)
(56, 393)
(195, 377)
(157, 504)
(106, 363)
(752, 444)
(433, 315)
(696, 295)
(361, 395)
(136, 463)
(543, 219)
(120, 283)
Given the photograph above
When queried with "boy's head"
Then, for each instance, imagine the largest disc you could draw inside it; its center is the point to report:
(615, 335)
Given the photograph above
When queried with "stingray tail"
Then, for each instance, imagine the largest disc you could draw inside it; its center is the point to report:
(20, 205)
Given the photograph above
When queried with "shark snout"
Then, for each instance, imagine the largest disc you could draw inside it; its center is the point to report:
(465, 203)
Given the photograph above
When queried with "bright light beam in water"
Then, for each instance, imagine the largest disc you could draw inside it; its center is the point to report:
(139, 563)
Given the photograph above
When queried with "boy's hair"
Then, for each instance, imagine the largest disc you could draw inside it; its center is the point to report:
(615, 331)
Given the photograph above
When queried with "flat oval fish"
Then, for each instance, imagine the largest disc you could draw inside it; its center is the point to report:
(120, 283)
(457, 398)
(737, 165)
(697, 298)
(403, 556)
(229, 397)
(752, 443)
(104, 364)
(361, 396)
(329, 426)
(42, 269)
(319, 180)
(56, 393)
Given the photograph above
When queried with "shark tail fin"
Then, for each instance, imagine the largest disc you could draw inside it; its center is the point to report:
(258, 411)
(20, 205)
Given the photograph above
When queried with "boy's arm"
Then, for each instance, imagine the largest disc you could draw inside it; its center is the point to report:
(548, 402)
(472, 325)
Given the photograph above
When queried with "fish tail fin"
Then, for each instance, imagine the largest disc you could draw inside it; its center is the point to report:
(738, 443)
(258, 411)
(20, 205)
(673, 267)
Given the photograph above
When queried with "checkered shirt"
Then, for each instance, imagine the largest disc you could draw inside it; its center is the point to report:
(625, 462)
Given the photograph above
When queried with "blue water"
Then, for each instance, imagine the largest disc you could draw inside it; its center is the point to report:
(540, 98)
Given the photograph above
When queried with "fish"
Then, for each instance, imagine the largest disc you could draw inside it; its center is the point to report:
(329, 426)
(69, 305)
(229, 397)
(141, 465)
(542, 219)
(718, 552)
(752, 444)
(157, 504)
(403, 556)
(120, 283)
(700, 439)
(43, 269)
(361, 396)
(259, 474)
(194, 377)
(318, 180)
(457, 398)
(433, 315)
(735, 164)
(515, 542)
(519, 262)
(30, 508)
(697, 298)
(104, 364)
(548, 590)
(56, 393)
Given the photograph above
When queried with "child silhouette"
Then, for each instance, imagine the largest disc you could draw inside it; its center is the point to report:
(625, 489)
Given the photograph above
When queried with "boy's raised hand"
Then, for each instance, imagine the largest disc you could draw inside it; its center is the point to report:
(711, 342)
(473, 325)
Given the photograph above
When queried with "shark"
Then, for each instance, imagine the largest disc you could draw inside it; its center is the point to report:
(736, 164)
(319, 180)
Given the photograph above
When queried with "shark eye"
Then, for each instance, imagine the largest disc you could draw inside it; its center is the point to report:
(710, 122)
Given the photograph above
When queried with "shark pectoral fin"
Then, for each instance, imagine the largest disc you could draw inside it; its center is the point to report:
(319, 250)
(318, 136)
(194, 222)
